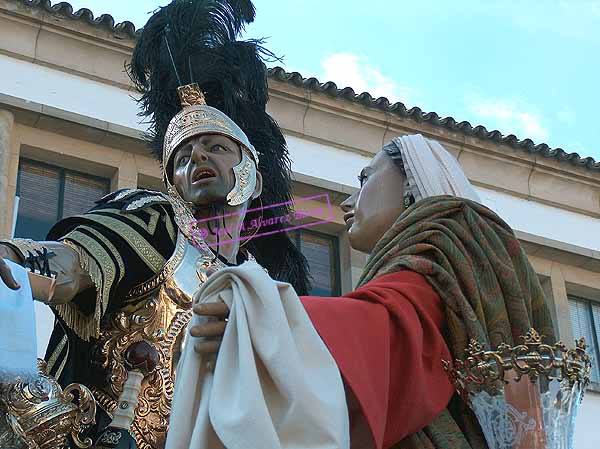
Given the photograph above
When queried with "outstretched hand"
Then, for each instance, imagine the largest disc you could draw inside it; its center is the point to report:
(5, 272)
(213, 330)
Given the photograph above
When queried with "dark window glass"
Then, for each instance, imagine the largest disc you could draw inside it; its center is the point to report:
(153, 184)
(81, 193)
(585, 322)
(38, 190)
(321, 251)
(48, 193)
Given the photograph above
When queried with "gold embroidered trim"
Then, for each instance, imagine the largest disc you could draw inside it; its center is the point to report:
(59, 347)
(167, 270)
(62, 365)
(140, 245)
(112, 249)
(149, 227)
(84, 326)
(103, 261)
(169, 225)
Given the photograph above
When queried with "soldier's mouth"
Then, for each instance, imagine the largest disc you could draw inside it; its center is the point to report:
(203, 174)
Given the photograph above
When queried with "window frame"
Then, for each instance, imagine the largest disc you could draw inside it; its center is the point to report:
(62, 174)
(593, 386)
(337, 279)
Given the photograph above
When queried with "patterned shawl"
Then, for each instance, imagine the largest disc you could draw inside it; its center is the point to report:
(490, 292)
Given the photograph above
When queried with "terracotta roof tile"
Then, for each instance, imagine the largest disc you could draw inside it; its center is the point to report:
(416, 114)
(329, 88)
(65, 9)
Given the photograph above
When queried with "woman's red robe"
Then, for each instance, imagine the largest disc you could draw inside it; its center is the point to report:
(386, 338)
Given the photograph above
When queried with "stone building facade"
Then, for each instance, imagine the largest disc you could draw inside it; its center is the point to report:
(69, 131)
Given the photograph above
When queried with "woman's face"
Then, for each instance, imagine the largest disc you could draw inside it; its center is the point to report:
(372, 210)
(203, 169)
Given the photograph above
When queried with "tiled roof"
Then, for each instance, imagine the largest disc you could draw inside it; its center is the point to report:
(416, 114)
(65, 9)
(106, 21)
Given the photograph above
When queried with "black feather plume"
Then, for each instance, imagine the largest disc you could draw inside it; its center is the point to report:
(198, 38)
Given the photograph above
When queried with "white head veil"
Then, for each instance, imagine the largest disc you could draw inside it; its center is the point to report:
(431, 170)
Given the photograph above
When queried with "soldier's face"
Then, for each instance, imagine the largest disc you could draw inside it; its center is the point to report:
(203, 169)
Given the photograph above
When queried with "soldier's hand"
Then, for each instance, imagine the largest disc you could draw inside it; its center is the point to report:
(213, 330)
(5, 273)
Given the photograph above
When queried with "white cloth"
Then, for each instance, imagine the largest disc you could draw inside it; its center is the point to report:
(18, 347)
(431, 170)
(275, 384)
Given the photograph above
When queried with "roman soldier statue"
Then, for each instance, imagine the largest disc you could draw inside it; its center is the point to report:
(126, 271)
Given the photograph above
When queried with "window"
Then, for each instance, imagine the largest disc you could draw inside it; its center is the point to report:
(585, 319)
(150, 183)
(321, 251)
(48, 193)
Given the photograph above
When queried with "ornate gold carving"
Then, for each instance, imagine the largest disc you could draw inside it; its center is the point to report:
(491, 370)
(191, 95)
(160, 318)
(103, 400)
(160, 322)
(86, 412)
(43, 415)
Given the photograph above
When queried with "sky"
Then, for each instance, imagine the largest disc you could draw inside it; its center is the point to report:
(529, 67)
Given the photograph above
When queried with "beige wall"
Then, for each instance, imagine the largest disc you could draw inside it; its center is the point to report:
(7, 120)
(101, 148)
(106, 148)
(96, 53)
(562, 270)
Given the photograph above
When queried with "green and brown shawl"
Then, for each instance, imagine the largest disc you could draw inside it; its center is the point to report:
(490, 292)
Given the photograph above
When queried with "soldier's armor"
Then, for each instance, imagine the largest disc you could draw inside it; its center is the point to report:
(156, 311)
(161, 312)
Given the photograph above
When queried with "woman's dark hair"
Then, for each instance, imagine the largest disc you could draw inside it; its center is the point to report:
(392, 149)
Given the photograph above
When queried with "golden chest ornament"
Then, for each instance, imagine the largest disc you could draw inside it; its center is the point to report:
(159, 314)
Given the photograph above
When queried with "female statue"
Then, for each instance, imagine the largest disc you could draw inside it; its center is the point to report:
(442, 270)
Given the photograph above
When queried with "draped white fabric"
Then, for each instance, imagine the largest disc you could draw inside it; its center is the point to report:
(275, 384)
(17, 329)
(431, 170)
